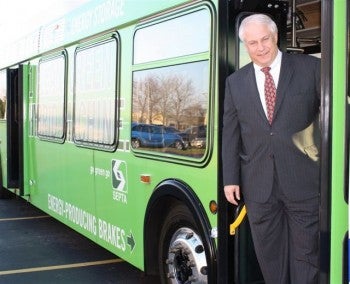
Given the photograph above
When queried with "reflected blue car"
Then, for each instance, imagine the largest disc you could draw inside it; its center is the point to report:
(157, 136)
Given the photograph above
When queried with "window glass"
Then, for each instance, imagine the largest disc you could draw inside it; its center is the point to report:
(51, 98)
(244, 58)
(171, 102)
(95, 95)
(184, 35)
(170, 109)
(3, 94)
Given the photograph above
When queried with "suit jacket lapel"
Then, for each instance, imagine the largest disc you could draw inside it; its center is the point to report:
(286, 73)
(252, 90)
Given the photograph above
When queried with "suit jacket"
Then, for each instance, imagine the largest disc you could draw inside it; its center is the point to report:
(254, 152)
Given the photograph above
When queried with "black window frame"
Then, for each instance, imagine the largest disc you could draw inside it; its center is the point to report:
(57, 139)
(112, 146)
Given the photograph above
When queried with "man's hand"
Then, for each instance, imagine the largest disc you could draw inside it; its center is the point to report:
(232, 193)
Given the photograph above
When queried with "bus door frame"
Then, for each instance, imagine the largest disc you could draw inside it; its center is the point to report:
(14, 118)
(236, 252)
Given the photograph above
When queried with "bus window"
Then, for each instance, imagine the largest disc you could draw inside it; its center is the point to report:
(2, 95)
(51, 98)
(173, 96)
(95, 95)
(190, 34)
(244, 58)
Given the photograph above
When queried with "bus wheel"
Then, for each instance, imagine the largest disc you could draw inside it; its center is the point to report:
(182, 255)
(135, 143)
(179, 145)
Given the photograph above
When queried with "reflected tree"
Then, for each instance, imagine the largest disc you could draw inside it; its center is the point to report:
(183, 92)
(2, 107)
(164, 100)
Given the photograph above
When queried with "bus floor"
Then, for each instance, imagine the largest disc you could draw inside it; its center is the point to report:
(36, 248)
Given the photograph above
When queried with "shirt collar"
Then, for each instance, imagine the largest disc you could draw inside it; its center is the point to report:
(275, 63)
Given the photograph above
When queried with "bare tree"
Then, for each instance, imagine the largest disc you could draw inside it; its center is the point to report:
(166, 85)
(139, 101)
(168, 98)
(182, 93)
(153, 95)
(146, 96)
(2, 107)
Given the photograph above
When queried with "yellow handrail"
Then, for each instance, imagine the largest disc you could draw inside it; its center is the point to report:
(238, 220)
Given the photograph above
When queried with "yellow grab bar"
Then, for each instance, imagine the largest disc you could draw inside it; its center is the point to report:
(238, 220)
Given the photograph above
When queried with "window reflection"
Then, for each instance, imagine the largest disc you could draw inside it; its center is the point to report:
(95, 95)
(170, 103)
(2, 94)
(185, 35)
(51, 98)
(244, 58)
(170, 106)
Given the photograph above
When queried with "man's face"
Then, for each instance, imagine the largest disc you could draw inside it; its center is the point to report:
(261, 44)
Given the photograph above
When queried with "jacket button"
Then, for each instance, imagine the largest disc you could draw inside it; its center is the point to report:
(271, 156)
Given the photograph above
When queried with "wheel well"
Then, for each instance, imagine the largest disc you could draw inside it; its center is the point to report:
(166, 197)
(161, 207)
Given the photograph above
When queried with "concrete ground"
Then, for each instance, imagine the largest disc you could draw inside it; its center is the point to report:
(35, 248)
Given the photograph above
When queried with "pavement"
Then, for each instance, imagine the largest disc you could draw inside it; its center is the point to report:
(36, 248)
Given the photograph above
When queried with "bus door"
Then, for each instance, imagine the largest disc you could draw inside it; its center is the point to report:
(15, 128)
(244, 262)
(246, 268)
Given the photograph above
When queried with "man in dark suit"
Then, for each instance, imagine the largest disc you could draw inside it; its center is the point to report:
(270, 152)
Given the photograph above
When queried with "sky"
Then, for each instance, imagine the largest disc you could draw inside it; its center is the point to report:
(21, 17)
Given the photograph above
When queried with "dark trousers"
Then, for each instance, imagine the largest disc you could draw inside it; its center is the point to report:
(286, 238)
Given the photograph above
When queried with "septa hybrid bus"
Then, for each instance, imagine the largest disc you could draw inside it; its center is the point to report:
(111, 121)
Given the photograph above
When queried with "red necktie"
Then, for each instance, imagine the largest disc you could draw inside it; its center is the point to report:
(270, 93)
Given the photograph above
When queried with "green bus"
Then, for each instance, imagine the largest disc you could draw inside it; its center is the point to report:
(110, 121)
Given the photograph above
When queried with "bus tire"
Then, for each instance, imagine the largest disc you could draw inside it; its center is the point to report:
(182, 257)
(135, 143)
(178, 145)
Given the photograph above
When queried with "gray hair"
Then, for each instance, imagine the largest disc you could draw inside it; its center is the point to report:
(257, 18)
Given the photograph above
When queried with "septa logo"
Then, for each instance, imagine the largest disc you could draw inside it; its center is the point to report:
(118, 175)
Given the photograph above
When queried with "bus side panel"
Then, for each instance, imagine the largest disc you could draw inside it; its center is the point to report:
(121, 198)
(120, 206)
(64, 184)
(339, 207)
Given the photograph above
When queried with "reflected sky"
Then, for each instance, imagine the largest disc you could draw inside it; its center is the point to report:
(161, 41)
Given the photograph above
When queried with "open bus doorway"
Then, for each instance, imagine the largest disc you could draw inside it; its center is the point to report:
(299, 30)
(14, 128)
